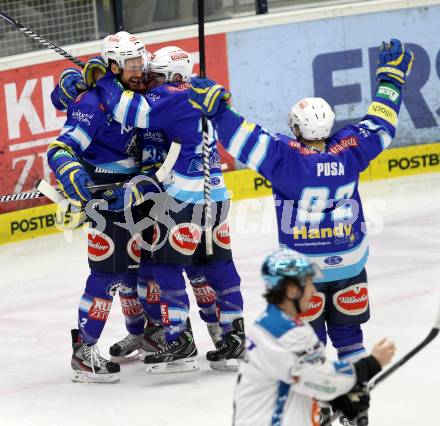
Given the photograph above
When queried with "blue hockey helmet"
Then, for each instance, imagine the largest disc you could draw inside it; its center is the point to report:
(286, 263)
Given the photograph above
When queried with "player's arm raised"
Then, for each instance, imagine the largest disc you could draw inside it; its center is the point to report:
(378, 128)
(248, 142)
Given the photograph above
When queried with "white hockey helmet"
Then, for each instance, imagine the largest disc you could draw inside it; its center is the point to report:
(122, 46)
(171, 60)
(313, 116)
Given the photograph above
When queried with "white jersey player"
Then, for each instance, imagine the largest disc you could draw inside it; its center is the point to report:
(285, 371)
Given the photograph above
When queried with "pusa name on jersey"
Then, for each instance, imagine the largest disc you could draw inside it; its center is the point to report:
(166, 109)
(318, 207)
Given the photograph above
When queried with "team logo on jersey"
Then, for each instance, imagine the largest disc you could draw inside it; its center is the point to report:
(316, 307)
(333, 260)
(221, 236)
(214, 181)
(100, 309)
(153, 292)
(131, 307)
(352, 300)
(134, 247)
(83, 117)
(179, 88)
(204, 294)
(100, 246)
(185, 238)
(343, 144)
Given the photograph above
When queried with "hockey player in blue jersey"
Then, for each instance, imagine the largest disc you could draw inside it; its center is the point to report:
(315, 184)
(285, 372)
(166, 108)
(93, 147)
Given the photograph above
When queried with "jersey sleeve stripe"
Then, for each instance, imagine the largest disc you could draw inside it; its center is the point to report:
(258, 152)
(239, 139)
(120, 111)
(80, 137)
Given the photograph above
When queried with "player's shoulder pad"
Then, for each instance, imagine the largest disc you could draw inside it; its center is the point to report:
(276, 322)
(86, 102)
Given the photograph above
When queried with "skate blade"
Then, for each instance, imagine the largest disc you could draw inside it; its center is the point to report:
(180, 366)
(134, 356)
(89, 377)
(225, 365)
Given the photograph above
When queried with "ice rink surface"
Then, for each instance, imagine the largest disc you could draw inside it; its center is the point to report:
(44, 278)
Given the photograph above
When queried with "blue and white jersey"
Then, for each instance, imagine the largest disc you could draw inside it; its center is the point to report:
(318, 207)
(166, 109)
(107, 149)
(284, 371)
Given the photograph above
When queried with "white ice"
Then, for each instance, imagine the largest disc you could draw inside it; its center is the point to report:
(44, 278)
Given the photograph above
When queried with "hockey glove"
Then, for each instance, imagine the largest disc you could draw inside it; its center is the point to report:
(352, 403)
(395, 62)
(207, 95)
(71, 84)
(93, 70)
(120, 199)
(73, 179)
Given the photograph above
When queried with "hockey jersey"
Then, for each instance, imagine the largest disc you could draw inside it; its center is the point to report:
(109, 151)
(166, 109)
(284, 372)
(318, 207)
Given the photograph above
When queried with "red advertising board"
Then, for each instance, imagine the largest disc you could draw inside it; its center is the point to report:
(29, 122)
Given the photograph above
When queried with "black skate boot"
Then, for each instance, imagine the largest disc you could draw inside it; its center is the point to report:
(153, 339)
(176, 357)
(326, 413)
(360, 420)
(229, 350)
(128, 349)
(89, 366)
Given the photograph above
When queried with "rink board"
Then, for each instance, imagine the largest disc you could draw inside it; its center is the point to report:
(392, 163)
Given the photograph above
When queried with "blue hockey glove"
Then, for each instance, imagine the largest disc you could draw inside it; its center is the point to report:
(207, 95)
(93, 70)
(73, 180)
(71, 84)
(123, 198)
(395, 62)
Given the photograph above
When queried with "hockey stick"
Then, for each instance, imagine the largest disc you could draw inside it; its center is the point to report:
(381, 377)
(44, 189)
(37, 37)
(206, 148)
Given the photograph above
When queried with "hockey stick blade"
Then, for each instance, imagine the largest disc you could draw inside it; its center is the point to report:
(381, 377)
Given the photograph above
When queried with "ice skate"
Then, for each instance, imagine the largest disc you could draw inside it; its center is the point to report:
(128, 349)
(153, 340)
(326, 413)
(176, 357)
(229, 350)
(360, 420)
(89, 366)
